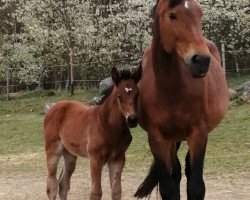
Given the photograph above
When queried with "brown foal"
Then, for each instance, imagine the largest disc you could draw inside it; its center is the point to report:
(100, 133)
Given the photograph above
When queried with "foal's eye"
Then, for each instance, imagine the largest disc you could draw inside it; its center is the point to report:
(119, 96)
(172, 16)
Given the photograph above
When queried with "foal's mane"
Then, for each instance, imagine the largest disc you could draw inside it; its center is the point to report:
(124, 75)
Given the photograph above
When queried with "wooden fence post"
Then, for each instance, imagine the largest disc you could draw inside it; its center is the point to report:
(71, 71)
(8, 84)
(223, 57)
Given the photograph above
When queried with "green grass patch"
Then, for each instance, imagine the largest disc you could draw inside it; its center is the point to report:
(21, 125)
(33, 102)
(235, 80)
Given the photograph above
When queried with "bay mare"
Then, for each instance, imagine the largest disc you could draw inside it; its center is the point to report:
(100, 133)
(183, 97)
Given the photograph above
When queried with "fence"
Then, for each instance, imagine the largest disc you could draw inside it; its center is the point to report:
(81, 84)
(235, 63)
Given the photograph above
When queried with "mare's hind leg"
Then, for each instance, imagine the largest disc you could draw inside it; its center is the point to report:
(115, 173)
(69, 168)
(53, 154)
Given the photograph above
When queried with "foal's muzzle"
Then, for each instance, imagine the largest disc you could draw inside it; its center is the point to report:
(199, 65)
(132, 121)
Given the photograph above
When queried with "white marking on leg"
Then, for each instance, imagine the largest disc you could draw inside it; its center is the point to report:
(186, 5)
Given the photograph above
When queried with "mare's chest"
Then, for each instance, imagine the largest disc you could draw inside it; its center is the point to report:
(172, 112)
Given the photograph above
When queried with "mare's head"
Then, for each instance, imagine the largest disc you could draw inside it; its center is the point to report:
(177, 26)
(127, 92)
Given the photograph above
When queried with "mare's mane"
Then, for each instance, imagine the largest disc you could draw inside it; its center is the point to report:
(124, 75)
(172, 4)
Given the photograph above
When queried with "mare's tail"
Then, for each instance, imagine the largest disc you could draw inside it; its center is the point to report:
(157, 171)
(149, 183)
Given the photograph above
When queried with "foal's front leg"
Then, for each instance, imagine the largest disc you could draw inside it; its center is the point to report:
(115, 173)
(96, 164)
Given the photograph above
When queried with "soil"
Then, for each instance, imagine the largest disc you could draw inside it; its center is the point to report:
(30, 185)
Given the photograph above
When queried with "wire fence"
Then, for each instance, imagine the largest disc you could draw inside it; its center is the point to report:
(58, 85)
(235, 62)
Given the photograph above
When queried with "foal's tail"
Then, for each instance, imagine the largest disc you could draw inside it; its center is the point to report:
(47, 107)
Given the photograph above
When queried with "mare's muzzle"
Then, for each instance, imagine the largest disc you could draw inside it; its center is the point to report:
(199, 65)
(132, 121)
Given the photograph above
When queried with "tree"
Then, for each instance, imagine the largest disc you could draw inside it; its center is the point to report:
(101, 34)
(228, 22)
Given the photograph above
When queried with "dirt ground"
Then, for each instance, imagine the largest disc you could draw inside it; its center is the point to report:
(30, 185)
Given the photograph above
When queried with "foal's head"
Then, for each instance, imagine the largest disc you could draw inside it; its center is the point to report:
(127, 93)
(178, 27)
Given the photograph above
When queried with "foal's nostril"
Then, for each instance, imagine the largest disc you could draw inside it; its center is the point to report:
(132, 121)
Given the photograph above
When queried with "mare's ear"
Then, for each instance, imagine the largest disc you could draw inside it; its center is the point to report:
(115, 76)
(136, 76)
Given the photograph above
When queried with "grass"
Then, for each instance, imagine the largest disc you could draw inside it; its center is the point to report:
(21, 122)
(235, 80)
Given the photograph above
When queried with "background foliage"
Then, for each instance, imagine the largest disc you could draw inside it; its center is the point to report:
(36, 35)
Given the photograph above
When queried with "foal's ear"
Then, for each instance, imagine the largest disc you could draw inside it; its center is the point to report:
(115, 75)
(136, 76)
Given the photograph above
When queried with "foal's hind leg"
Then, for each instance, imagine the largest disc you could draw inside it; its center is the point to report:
(53, 154)
(115, 172)
(69, 168)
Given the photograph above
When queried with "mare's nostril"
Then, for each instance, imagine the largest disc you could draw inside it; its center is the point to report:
(201, 60)
(196, 59)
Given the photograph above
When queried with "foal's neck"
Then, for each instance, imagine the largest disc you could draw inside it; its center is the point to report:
(110, 112)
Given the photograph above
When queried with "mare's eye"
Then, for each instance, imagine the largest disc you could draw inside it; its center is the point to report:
(172, 16)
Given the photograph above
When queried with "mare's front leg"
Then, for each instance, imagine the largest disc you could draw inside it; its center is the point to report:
(176, 170)
(96, 163)
(161, 150)
(115, 173)
(197, 143)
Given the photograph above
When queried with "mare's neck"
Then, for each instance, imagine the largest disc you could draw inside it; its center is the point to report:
(110, 112)
(172, 77)
(166, 66)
